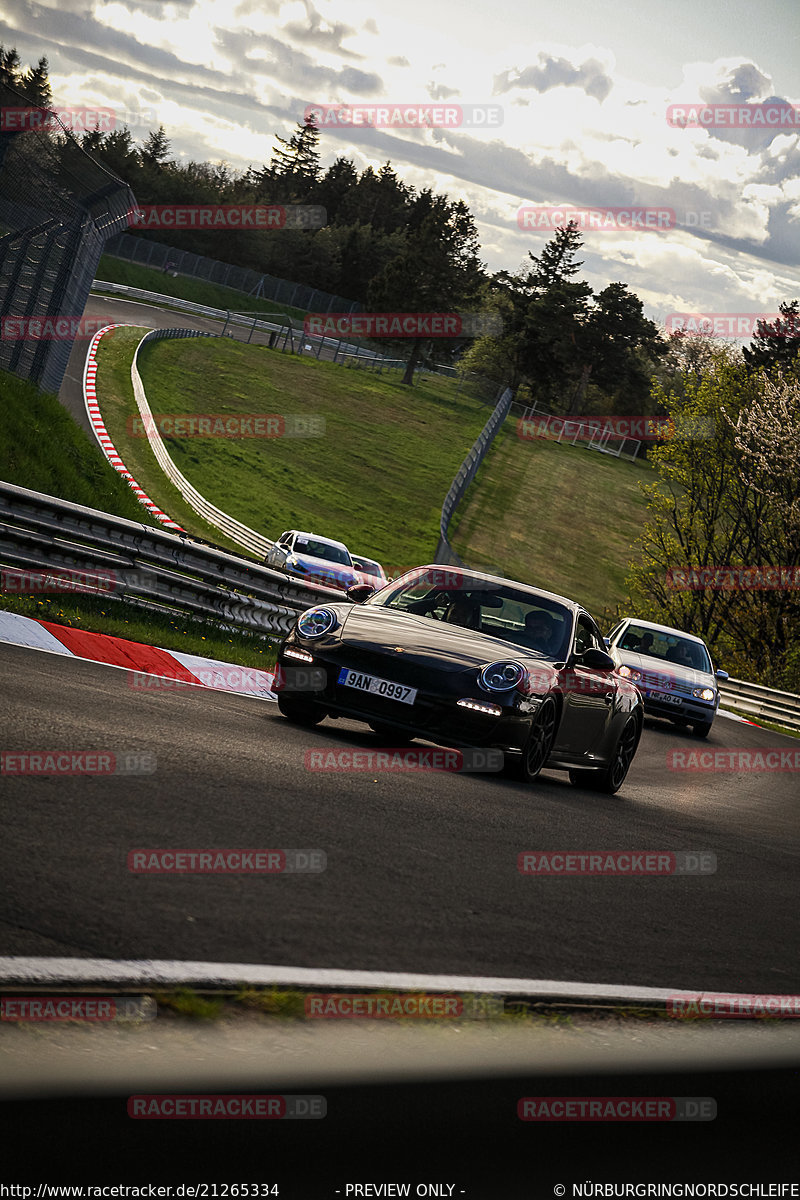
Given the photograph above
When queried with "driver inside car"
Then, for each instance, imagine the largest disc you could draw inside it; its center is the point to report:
(465, 611)
(542, 632)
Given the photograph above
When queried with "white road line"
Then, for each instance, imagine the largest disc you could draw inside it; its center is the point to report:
(153, 973)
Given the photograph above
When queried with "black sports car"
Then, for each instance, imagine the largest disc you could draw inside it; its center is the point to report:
(466, 659)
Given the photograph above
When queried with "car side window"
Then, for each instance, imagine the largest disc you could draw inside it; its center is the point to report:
(587, 637)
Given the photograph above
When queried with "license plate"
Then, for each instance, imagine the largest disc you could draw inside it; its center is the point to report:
(667, 697)
(376, 686)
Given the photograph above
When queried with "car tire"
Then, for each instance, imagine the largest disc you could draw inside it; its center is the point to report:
(611, 778)
(389, 736)
(539, 742)
(701, 729)
(300, 712)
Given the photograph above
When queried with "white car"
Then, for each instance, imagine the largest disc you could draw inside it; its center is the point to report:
(672, 670)
(370, 571)
(313, 558)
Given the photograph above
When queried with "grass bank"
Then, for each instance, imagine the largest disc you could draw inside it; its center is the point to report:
(561, 517)
(186, 287)
(375, 477)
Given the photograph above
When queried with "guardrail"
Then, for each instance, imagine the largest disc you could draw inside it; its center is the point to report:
(246, 321)
(145, 566)
(781, 708)
(242, 534)
(466, 473)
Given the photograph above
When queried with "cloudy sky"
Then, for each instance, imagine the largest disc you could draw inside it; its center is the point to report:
(575, 99)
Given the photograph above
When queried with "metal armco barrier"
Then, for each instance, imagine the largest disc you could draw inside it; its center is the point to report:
(148, 567)
(466, 473)
(781, 708)
(242, 534)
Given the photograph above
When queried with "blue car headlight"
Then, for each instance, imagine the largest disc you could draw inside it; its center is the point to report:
(501, 676)
(316, 622)
(705, 693)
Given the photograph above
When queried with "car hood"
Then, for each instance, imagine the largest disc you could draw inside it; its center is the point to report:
(657, 671)
(434, 643)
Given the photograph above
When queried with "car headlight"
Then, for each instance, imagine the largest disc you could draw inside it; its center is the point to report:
(629, 673)
(705, 693)
(316, 622)
(501, 676)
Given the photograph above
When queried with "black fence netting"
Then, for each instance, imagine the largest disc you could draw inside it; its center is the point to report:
(58, 207)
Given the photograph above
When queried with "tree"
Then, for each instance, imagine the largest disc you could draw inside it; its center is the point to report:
(334, 187)
(10, 67)
(616, 346)
(36, 85)
(776, 344)
(549, 311)
(706, 516)
(767, 436)
(294, 168)
(156, 149)
(438, 271)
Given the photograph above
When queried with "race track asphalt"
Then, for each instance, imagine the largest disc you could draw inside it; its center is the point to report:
(421, 866)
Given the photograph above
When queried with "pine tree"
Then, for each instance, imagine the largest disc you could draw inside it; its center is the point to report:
(10, 67)
(776, 343)
(294, 167)
(36, 85)
(156, 148)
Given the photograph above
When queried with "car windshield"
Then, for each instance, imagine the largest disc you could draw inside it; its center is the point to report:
(524, 618)
(668, 647)
(318, 549)
(367, 564)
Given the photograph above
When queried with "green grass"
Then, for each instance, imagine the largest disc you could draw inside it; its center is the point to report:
(44, 449)
(115, 617)
(561, 517)
(186, 287)
(117, 405)
(376, 480)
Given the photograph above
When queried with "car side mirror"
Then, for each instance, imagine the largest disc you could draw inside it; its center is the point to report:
(359, 592)
(597, 660)
(607, 641)
(723, 675)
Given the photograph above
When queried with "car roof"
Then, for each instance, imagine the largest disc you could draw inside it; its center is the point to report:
(503, 581)
(664, 629)
(318, 538)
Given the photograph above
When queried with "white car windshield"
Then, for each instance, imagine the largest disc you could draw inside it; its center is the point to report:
(668, 647)
(318, 549)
